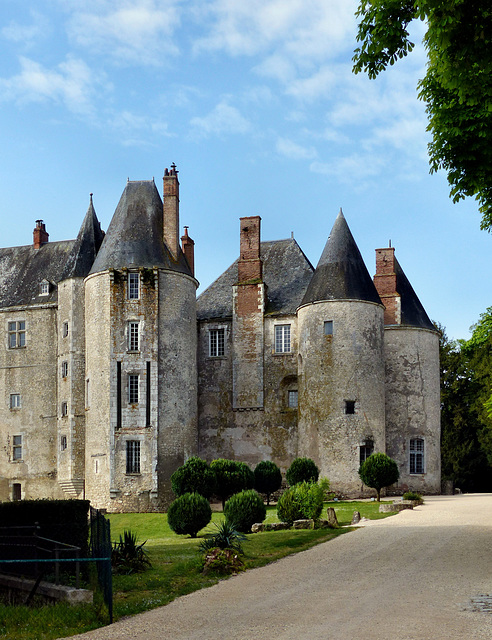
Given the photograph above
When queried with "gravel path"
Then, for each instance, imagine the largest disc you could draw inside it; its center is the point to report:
(420, 575)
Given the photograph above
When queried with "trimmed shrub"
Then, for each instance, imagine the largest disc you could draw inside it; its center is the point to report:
(231, 477)
(244, 509)
(302, 501)
(302, 470)
(413, 495)
(378, 471)
(188, 514)
(268, 478)
(195, 476)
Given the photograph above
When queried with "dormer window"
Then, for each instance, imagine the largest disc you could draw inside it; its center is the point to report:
(44, 288)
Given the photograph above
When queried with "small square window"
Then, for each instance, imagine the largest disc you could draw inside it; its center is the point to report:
(63, 443)
(282, 338)
(293, 398)
(15, 401)
(133, 388)
(64, 409)
(216, 343)
(64, 369)
(349, 407)
(328, 327)
(17, 448)
(65, 329)
(133, 286)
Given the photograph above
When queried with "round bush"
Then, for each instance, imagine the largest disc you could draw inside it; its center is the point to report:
(303, 501)
(195, 476)
(231, 477)
(188, 514)
(378, 471)
(244, 509)
(268, 478)
(302, 470)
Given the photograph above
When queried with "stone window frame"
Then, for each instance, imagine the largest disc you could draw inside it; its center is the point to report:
(133, 335)
(133, 285)
(17, 445)
(133, 457)
(416, 456)
(15, 401)
(17, 333)
(64, 409)
(16, 491)
(328, 327)
(87, 393)
(133, 381)
(217, 338)
(44, 288)
(65, 329)
(63, 443)
(366, 449)
(292, 398)
(282, 338)
(350, 407)
(64, 369)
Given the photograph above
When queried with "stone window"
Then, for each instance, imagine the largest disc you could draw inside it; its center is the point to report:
(282, 338)
(87, 394)
(64, 409)
(292, 398)
(133, 286)
(44, 288)
(417, 455)
(133, 336)
(64, 369)
(133, 388)
(15, 401)
(17, 334)
(16, 491)
(216, 343)
(63, 443)
(17, 448)
(365, 450)
(132, 456)
(328, 327)
(65, 329)
(349, 407)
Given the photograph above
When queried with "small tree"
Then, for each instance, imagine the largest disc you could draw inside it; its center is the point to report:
(378, 471)
(188, 514)
(243, 509)
(302, 470)
(268, 478)
(195, 476)
(231, 477)
(303, 500)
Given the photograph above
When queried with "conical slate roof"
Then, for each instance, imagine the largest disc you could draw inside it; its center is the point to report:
(135, 234)
(341, 273)
(85, 247)
(413, 313)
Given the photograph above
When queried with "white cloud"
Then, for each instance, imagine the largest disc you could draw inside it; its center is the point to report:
(352, 168)
(136, 130)
(294, 151)
(71, 83)
(223, 119)
(27, 34)
(128, 31)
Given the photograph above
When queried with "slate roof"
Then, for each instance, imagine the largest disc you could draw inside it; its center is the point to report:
(85, 247)
(413, 313)
(286, 273)
(341, 273)
(135, 234)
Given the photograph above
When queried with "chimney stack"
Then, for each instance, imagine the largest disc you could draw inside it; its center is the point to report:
(171, 210)
(188, 248)
(385, 283)
(250, 266)
(40, 235)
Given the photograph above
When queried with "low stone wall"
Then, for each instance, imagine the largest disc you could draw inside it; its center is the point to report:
(55, 592)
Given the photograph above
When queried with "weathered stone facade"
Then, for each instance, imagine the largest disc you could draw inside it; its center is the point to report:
(113, 374)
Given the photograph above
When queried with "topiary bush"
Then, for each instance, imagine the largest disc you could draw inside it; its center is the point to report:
(413, 495)
(378, 471)
(268, 478)
(188, 514)
(195, 476)
(302, 470)
(231, 477)
(302, 501)
(244, 509)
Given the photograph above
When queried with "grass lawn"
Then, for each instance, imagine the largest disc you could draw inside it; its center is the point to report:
(176, 571)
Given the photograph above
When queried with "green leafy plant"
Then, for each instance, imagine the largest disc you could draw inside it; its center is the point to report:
(378, 471)
(412, 495)
(302, 470)
(127, 556)
(231, 477)
(268, 478)
(324, 483)
(195, 476)
(188, 514)
(222, 561)
(244, 509)
(226, 537)
(302, 501)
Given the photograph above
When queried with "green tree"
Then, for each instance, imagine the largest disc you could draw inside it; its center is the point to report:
(195, 476)
(456, 89)
(188, 514)
(378, 471)
(231, 477)
(302, 470)
(268, 478)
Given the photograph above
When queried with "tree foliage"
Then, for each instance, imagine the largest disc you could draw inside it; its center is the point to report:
(457, 87)
(195, 476)
(268, 478)
(244, 509)
(188, 514)
(378, 471)
(302, 501)
(231, 477)
(302, 470)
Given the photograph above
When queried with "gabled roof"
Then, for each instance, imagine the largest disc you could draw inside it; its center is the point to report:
(413, 313)
(341, 273)
(135, 234)
(286, 273)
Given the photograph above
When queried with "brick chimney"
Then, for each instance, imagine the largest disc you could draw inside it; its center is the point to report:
(171, 210)
(250, 266)
(188, 248)
(385, 283)
(40, 236)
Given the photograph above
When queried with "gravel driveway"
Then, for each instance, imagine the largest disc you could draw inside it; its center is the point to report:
(420, 575)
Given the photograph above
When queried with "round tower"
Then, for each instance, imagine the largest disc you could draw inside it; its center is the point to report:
(341, 364)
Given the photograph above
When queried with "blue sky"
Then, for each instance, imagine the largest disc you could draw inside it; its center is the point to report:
(256, 104)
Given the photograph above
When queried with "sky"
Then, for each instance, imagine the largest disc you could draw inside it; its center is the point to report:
(256, 104)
